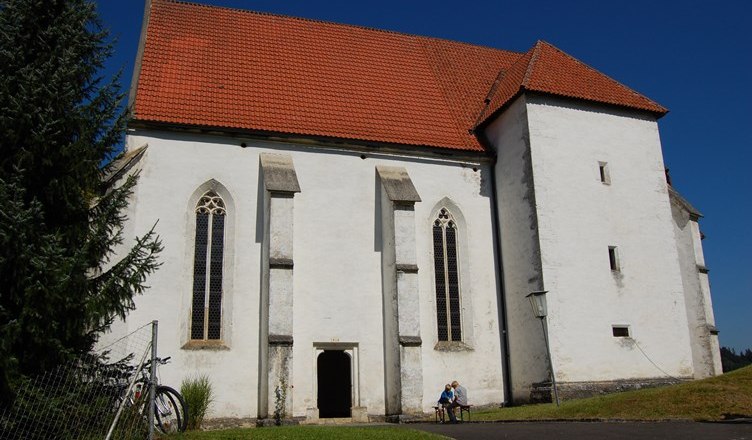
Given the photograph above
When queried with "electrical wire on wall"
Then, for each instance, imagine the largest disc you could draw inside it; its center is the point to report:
(651, 361)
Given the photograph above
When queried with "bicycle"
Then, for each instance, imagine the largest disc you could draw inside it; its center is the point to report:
(170, 409)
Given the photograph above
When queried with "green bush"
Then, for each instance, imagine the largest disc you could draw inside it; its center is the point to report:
(198, 395)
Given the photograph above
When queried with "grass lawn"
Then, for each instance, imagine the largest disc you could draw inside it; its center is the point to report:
(310, 432)
(716, 398)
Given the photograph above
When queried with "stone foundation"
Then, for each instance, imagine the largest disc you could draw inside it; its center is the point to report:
(261, 423)
(227, 423)
(359, 414)
(543, 392)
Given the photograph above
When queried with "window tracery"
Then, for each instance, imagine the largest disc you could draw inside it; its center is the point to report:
(206, 311)
(448, 315)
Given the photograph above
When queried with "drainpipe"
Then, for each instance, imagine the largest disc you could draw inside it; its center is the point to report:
(506, 364)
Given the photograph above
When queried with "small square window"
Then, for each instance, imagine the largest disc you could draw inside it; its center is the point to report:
(604, 174)
(613, 258)
(620, 331)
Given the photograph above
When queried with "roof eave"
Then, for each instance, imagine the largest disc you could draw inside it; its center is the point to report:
(523, 91)
(684, 203)
(347, 144)
(139, 56)
(493, 115)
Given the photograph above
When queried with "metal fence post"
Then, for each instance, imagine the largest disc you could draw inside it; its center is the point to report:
(152, 377)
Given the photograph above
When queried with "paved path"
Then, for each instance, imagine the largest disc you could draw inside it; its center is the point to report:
(592, 430)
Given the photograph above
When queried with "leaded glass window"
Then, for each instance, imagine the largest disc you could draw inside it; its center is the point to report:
(206, 311)
(445, 246)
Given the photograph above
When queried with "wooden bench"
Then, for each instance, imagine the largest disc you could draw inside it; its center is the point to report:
(440, 413)
(465, 409)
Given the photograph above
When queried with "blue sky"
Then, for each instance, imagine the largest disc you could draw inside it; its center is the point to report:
(694, 57)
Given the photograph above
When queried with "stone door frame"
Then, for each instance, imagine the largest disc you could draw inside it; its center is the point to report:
(351, 349)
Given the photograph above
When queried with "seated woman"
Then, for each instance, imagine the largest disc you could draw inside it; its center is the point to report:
(446, 399)
(447, 396)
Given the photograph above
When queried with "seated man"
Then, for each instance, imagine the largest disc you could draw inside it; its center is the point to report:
(460, 399)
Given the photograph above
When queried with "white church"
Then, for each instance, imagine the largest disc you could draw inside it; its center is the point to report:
(354, 217)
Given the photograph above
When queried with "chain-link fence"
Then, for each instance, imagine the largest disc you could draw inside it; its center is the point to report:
(102, 395)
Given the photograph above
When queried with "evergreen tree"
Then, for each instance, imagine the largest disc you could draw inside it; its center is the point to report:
(59, 221)
(732, 361)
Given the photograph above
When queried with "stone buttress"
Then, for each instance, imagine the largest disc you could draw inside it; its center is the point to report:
(280, 185)
(402, 341)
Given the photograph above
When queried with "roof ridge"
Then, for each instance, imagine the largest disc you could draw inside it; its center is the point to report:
(494, 87)
(489, 96)
(315, 20)
(533, 58)
(593, 69)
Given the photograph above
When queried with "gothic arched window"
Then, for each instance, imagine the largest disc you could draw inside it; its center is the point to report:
(447, 277)
(206, 312)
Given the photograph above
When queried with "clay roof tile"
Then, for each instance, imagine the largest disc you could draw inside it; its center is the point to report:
(217, 67)
(547, 69)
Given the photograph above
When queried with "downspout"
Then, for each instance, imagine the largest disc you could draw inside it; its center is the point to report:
(499, 262)
(480, 134)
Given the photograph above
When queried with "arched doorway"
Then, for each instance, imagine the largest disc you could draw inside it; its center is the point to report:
(334, 384)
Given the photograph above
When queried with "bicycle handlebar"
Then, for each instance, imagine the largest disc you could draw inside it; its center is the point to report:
(160, 361)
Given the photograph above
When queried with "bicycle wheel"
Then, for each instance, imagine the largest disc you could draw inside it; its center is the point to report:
(170, 411)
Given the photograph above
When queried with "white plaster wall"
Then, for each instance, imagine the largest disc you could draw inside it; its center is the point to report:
(337, 275)
(705, 351)
(171, 173)
(579, 217)
(468, 194)
(519, 246)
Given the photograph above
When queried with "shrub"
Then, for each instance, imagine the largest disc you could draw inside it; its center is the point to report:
(198, 395)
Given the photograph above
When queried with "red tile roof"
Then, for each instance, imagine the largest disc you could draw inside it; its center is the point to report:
(545, 68)
(240, 70)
